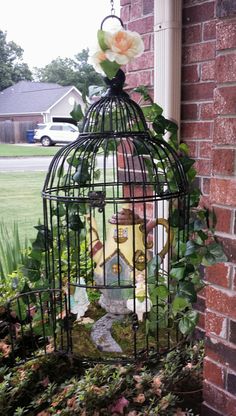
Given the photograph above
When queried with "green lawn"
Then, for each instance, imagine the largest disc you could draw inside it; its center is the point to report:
(14, 150)
(20, 200)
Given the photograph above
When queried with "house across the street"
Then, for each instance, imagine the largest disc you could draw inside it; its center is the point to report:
(27, 103)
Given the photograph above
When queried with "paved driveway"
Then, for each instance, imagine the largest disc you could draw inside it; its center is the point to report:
(22, 164)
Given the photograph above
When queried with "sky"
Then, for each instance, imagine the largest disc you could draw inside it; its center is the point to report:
(46, 29)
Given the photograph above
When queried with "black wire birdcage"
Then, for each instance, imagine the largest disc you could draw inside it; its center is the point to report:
(115, 208)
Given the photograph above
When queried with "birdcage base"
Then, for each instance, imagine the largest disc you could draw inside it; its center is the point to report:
(100, 335)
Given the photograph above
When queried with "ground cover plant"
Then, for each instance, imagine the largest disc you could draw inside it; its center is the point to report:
(14, 150)
(58, 384)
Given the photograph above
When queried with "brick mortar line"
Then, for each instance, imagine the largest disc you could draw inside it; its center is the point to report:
(226, 84)
(204, 2)
(222, 366)
(223, 147)
(209, 81)
(219, 364)
(190, 24)
(212, 408)
(201, 101)
(201, 42)
(231, 116)
(196, 63)
(226, 51)
(221, 315)
(224, 177)
(226, 235)
(224, 290)
(223, 206)
(223, 341)
(199, 121)
(222, 390)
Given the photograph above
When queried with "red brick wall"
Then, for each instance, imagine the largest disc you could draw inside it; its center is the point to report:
(209, 128)
(137, 15)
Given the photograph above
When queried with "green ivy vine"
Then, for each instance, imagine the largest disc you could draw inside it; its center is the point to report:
(175, 304)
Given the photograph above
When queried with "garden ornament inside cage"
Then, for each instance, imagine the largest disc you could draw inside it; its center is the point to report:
(110, 203)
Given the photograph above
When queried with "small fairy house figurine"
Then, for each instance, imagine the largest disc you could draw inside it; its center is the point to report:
(125, 253)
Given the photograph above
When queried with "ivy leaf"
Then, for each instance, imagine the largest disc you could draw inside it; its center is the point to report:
(183, 147)
(171, 126)
(162, 292)
(75, 222)
(214, 254)
(153, 265)
(203, 236)
(177, 219)
(198, 225)
(191, 248)
(82, 175)
(101, 40)
(179, 304)
(60, 171)
(73, 161)
(191, 174)
(143, 91)
(186, 162)
(82, 208)
(212, 218)
(157, 109)
(195, 197)
(216, 250)
(177, 272)
(97, 174)
(159, 124)
(187, 290)
(77, 113)
(110, 68)
(188, 322)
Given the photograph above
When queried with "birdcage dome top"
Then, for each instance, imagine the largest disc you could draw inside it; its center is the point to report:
(115, 156)
(115, 112)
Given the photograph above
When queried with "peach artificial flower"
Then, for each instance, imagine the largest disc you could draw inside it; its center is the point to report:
(118, 48)
(123, 46)
(98, 57)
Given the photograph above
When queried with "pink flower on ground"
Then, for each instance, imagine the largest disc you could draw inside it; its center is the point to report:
(179, 412)
(120, 405)
(45, 382)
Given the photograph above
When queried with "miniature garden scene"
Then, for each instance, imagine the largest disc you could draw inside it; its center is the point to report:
(98, 312)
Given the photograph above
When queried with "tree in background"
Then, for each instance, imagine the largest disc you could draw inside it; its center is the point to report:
(12, 67)
(67, 71)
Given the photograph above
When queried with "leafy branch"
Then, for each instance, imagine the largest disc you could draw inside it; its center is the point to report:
(201, 247)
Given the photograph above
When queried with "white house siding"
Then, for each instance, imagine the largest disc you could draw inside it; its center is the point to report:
(65, 106)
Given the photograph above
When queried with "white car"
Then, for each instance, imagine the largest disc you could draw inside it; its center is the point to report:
(51, 133)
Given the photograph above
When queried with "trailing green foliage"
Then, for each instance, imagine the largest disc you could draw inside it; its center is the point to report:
(200, 248)
(57, 384)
